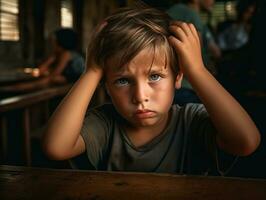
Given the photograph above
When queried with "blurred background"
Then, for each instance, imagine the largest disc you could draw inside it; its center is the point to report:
(233, 48)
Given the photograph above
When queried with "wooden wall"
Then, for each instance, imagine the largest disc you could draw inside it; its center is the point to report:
(38, 18)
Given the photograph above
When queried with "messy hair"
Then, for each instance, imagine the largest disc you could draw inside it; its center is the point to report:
(130, 30)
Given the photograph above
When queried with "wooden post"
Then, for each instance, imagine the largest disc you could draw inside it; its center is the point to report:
(26, 136)
(4, 140)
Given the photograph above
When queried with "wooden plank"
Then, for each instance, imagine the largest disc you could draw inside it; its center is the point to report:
(34, 183)
(25, 100)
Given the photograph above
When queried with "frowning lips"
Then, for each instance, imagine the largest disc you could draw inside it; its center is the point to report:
(142, 114)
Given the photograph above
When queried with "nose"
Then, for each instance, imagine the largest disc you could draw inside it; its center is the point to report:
(140, 93)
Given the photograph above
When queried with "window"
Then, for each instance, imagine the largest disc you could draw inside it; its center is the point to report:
(9, 29)
(224, 10)
(66, 14)
(221, 11)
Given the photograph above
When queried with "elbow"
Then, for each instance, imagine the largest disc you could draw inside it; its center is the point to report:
(251, 146)
(244, 147)
(52, 152)
(51, 148)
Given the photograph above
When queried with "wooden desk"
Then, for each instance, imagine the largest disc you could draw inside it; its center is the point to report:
(34, 183)
(14, 75)
(24, 101)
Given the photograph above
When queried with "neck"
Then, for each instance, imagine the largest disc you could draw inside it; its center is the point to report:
(140, 136)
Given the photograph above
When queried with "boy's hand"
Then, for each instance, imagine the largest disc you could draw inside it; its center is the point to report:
(90, 57)
(186, 42)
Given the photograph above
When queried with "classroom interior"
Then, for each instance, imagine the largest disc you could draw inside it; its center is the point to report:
(25, 30)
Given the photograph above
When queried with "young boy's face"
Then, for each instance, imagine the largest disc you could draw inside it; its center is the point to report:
(143, 91)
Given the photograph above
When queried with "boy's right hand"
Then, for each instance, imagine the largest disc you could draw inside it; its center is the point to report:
(65, 141)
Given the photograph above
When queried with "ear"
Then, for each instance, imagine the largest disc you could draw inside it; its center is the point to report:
(178, 80)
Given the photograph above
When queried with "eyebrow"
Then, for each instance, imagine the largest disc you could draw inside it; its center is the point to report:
(153, 69)
(161, 70)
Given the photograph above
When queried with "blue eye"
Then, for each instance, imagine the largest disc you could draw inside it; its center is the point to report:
(121, 82)
(155, 77)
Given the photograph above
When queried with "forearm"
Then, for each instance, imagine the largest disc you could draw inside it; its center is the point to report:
(46, 64)
(236, 132)
(62, 63)
(64, 127)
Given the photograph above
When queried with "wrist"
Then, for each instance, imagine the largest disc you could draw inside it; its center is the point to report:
(95, 72)
(194, 71)
(198, 77)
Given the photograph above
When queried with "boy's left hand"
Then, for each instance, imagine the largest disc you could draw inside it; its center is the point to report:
(186, 42)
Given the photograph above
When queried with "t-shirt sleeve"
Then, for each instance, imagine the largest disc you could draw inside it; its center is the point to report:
(95, 132)
(203, 137)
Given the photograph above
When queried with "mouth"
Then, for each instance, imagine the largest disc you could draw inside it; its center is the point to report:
(142, 114)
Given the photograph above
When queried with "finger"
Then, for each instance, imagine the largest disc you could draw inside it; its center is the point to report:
(175, 43)
(183, 25)
(176, 22)
(194, 31)
(178, 32)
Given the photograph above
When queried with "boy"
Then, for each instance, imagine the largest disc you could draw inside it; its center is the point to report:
(135, 53)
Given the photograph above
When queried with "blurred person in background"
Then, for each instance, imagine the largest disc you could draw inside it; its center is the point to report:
(237, 34)
(65, 62)
(64, 65)
(209, 38)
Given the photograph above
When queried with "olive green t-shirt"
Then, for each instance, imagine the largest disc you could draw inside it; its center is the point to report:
(186, 146)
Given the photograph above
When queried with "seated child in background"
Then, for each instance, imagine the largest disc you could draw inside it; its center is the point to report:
(141, 57)
(64, 64)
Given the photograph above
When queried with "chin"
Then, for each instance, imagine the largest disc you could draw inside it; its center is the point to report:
(146, 122)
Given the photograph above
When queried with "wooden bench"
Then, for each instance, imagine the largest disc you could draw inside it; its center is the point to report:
(24, 102)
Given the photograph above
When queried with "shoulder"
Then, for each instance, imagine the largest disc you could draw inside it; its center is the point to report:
(178, 7)
(105, 110)
(177, 11)
(98, 124)
(196, 20)
(105, 114)
(183, 13)
(189, 109)
(191, 113)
